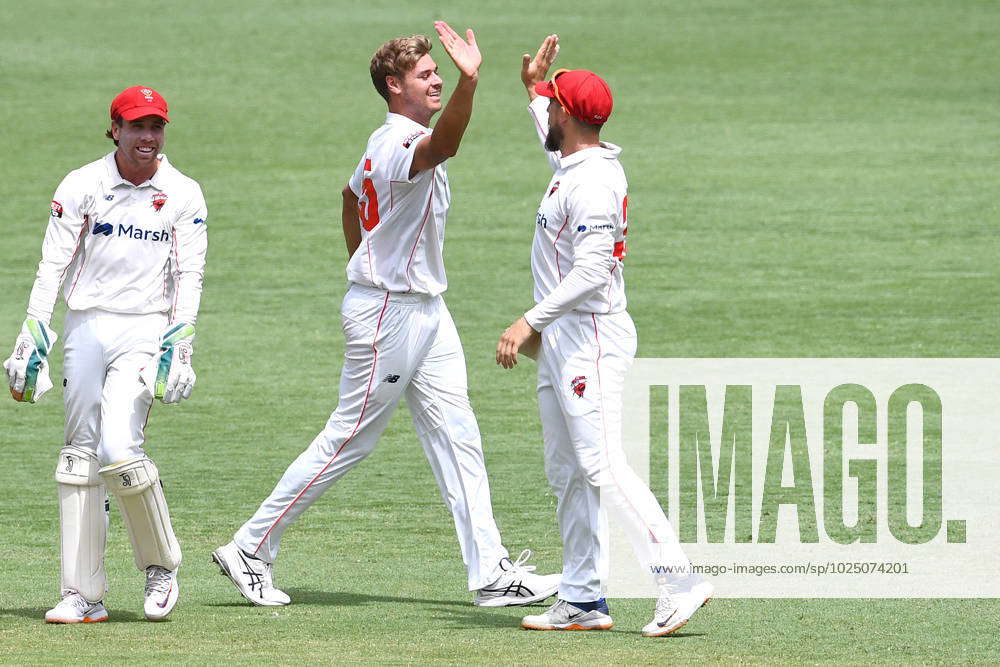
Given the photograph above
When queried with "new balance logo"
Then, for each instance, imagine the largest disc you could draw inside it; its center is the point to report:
(103, 228)
(391, 379)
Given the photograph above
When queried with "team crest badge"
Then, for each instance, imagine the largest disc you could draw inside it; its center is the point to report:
(147, 93)
(579, 385)
(56, 209)
(159, 199)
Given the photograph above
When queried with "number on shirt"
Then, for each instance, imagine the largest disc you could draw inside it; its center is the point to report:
(368, 204)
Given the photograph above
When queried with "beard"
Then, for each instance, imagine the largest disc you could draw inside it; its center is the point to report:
(554, 139)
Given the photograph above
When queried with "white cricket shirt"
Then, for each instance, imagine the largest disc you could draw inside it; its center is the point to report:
(402, 219)
(121, 247)
(580, 229)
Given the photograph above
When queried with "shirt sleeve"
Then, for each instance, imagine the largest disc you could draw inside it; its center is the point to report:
(357, 178)
(187, 259)
(539, 111)
(593, 218)
(67, 225)
(399, 157)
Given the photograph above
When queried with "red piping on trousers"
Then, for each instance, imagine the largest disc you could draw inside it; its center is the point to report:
(368, 392)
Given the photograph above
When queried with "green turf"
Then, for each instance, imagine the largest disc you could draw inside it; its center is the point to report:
(807, 179)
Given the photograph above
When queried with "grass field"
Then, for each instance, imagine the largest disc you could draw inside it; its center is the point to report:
(807, 178)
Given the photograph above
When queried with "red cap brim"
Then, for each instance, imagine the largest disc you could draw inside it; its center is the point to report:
(139, 112)
(545, 89)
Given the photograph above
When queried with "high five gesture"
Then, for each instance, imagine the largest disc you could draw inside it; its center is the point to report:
(536, 69)
(465, 54)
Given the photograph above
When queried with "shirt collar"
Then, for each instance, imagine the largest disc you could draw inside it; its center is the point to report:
(397, 118)
(115, 178)
(606, 150)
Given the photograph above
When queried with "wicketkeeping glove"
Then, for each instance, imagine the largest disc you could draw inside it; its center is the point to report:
(28, 366)
(169, 377)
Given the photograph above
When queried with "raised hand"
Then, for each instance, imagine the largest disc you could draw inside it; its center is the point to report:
(464, 53)
(535, 69)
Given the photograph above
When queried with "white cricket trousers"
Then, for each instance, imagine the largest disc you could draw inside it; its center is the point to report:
(395, 345)
(581, 373)
(106, 407)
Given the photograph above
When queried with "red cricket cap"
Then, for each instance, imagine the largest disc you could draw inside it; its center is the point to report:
(139, 101)
(583, 94)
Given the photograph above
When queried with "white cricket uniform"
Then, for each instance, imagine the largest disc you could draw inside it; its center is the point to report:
(400, 341)
(588, 344)
(131, 260)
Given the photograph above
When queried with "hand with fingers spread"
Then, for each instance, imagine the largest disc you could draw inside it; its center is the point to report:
(519, 337)
(535, 69)
(464, 53)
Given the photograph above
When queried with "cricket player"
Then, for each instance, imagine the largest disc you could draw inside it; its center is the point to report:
(584, 342)
(400, 337)
(126, 240)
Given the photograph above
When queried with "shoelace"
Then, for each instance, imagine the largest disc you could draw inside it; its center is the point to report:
(77, 601)
(157, 580)
(519, 564)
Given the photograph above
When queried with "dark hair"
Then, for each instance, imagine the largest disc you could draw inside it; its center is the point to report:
(109, 135)
(395, 58)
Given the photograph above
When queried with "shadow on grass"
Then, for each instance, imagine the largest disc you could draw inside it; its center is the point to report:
(38, 614)
(460, 613)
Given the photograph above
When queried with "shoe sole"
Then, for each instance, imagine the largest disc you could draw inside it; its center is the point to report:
(516, 601)
(224, 571)
(571, 626)
(678, 626)
(71, 621)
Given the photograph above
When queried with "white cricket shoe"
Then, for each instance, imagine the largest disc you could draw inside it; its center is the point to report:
(516, 584)
(566, 616)
(251, 576)
(677, 604)
(161, 592)
(74, 608)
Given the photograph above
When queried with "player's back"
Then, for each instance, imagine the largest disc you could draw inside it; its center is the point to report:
(402, 218)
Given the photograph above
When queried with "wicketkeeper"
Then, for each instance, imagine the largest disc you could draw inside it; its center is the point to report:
(126, 239)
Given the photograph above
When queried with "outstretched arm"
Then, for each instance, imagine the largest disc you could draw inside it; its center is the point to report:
(443, 142)
(534, 70)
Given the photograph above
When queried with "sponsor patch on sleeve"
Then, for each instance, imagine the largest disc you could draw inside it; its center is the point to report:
(57, 209)
(407, 142)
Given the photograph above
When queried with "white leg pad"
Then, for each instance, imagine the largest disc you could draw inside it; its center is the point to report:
(83, 523)
(135, 484)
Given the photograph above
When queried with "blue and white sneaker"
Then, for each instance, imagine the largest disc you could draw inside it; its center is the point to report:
(517, 584)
